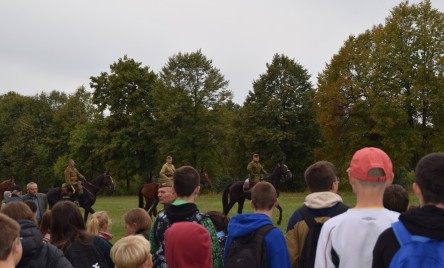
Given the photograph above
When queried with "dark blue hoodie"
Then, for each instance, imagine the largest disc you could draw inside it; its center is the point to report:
(243, 224)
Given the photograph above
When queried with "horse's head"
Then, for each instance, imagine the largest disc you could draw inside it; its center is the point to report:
(7, 185)
(283, 170)
(204, 178)
(107, 181)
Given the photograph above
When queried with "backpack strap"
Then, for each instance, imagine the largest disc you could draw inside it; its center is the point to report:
(340, 208)
(306, 216)
(264, 229)
(403, 235)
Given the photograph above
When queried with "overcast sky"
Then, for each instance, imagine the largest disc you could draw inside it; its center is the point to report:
(59, 45)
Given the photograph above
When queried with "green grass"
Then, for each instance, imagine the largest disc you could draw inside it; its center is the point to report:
(117, 206)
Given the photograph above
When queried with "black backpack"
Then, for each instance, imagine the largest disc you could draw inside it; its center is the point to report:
(308, 254)
(248, 251)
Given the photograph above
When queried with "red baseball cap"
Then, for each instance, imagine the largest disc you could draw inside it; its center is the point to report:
(368, 158)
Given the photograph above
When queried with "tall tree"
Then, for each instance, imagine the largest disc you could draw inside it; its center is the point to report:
(278, 119)
(383, 89)
(125, 93)
(191, 90)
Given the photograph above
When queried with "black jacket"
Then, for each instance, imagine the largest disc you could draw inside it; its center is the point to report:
(426, 221)
(36, 252)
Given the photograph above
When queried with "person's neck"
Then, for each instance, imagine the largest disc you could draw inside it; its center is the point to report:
(269, 213)
(189, 199)
(369, 201)
(8, 263)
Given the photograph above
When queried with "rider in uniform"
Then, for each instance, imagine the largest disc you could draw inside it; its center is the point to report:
(71, 177)
(255, 173)
(167, 171)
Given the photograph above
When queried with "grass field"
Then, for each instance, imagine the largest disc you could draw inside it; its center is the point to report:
(117, 206)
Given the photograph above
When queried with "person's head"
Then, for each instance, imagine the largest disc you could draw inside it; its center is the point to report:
(186, 181)
(64, 188)
(10, 245)
(17, 190)
(99, 222)
(32, 206)
(220, 220)
(429, 181)
(180, 253)
(67, 225)
(321, 177)
(256, 157)
(132, 252)
(32, 188)
(263, 196)
(71, 163)
(169, 159)
(166, 194)
(137, 221)
(371, 167)
(19, 211)
(396, 198)
(45, 223)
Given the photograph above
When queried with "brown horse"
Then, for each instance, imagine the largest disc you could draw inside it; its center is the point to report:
(6, 185)
(148, 191)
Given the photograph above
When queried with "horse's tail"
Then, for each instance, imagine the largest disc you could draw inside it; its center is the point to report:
(140, 197)
(225, 198)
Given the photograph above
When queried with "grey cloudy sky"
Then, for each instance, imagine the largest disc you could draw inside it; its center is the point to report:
(57, 45)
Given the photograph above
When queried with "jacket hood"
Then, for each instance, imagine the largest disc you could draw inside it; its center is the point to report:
(425, 221)
(319, 200)
(31, 238)
(177, 213)
(243, 224)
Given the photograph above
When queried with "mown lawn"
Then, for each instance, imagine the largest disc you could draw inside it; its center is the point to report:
(116, 206)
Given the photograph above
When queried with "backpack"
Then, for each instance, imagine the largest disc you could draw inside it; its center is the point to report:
(248, 250)
(308, 253)
(415, 250)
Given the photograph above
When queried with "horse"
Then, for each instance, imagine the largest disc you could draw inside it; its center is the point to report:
(90, 189)
(236, 193)
(6, 185)
(149, 191)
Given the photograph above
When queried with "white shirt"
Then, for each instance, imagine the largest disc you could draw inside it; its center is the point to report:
(353, 235)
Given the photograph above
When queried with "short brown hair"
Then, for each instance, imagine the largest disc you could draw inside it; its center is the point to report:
(9, 231)
(320, 176)
(396, 198)
(19, 211)
(139, 218)
(186, 179)
(263, 195)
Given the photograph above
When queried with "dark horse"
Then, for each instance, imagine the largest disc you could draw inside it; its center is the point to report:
(90, 189)
(6, 185)
(148, 191)
(237, 195)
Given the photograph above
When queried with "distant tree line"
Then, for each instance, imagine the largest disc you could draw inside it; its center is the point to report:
(384, 88)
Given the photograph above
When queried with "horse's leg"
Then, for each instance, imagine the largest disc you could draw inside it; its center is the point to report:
(280, 214)
(88, 209)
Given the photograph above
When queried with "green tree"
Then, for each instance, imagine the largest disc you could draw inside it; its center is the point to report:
(190, 94)
(125, 94)
(278, 119)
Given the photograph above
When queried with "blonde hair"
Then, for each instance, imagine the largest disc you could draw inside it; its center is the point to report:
(131, 252)
(97, 222)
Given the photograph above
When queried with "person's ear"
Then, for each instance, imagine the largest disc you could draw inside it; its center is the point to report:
(276, 203)
(251, 204)
(149, 261)
(197, 190)
(418, 193)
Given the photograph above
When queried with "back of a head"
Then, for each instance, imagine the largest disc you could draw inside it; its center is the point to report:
(138, 218)
(19, 211)
(396, 198)
(371, 165)
(186, 179)
(66, 223)
(97, 222)
(320, 176)
(188, 245)
(220, 221)
(132, 252)
(430, 178)
(31, 205)
(263, 196)
(9, 231)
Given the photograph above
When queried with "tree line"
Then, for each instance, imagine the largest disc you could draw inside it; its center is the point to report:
(383, 88)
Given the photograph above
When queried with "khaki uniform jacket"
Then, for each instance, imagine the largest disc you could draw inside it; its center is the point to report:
(71, 175)
(167, 172)
(255, 171)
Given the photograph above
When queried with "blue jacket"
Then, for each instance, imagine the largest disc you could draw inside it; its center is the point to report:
(243, 224)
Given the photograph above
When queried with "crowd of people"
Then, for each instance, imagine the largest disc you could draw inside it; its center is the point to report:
(324, 232)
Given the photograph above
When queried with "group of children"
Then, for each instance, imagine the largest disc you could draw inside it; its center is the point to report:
(323, 232)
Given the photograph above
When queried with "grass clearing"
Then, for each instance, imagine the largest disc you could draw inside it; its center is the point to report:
(117, 206)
